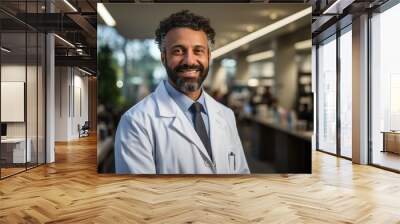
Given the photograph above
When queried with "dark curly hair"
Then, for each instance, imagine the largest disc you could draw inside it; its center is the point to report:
(185, 19)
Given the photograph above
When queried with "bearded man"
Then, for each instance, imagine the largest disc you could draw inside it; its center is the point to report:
(179, 128)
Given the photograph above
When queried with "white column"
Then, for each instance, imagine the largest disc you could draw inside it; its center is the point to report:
(360, 90)
(50, 92)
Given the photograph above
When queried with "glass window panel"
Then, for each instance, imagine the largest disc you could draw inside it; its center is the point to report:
(14, 153)
(22, 62)
(385, 89)
(41, 98)
(31, 97)
(346, 94)
(327, 96)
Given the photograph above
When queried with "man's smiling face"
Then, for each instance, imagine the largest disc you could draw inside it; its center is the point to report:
(186, 57)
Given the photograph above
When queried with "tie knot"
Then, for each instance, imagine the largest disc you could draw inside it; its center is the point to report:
(196, 107)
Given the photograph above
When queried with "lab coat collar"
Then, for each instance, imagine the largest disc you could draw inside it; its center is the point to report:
(168, 108)
(165, 104)
(183, 101)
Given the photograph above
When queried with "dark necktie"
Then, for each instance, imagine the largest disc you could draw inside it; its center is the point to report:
(200, 127)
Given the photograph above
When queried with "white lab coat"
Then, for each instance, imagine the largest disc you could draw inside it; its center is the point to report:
(155, 136)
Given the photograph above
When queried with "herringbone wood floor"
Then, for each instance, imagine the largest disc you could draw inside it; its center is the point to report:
(70, 191)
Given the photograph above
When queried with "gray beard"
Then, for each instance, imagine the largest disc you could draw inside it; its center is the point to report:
(187, 86)
(183, 85)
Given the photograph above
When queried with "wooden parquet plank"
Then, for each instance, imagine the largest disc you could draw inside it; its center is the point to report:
(70, 191)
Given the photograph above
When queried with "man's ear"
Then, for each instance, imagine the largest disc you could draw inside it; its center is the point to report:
(163, 58)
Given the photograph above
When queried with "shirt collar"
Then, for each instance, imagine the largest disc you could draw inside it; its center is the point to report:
(184, 102)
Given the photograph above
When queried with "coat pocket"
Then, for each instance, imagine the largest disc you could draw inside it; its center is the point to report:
(232, 162)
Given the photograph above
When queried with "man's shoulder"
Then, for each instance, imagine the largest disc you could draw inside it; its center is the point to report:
(145, 107)
(226, 110)
(221, 107)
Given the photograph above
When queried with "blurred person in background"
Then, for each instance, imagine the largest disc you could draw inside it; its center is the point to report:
(179, 128)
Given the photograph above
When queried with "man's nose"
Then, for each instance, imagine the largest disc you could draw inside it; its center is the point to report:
(190, 58)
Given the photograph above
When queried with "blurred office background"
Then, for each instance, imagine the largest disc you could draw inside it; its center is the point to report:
(51, 47)
(265, 81)
(48, 79)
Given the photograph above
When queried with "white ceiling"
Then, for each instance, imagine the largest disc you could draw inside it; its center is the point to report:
(230, 21)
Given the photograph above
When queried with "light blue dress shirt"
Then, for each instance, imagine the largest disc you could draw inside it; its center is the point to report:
(184, 103)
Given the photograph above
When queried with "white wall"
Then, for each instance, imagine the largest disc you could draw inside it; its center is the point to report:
(33, 126)
(16, 73)
(71, 93)
(62, 81)
(80, 93)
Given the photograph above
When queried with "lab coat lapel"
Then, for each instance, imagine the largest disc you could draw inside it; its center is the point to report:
(217, 130)
(182, 125)
(168, 108)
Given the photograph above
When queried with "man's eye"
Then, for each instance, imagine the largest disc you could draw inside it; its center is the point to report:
(177, 51)
(199, 51)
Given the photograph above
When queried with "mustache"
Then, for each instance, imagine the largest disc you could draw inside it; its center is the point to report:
(184, 67)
